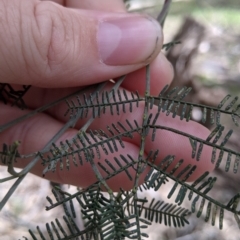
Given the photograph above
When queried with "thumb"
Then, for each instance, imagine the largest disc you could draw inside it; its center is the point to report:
(47, 45)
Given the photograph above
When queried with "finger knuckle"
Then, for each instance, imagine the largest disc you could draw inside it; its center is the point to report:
(57, 34)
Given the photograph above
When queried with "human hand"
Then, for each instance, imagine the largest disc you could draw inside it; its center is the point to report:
(59, 49)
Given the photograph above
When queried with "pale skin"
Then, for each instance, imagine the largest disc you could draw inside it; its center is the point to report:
(56, 67)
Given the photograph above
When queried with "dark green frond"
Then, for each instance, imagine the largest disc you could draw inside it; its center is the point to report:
(160, 212)
(60, 230)
(115, 101)
(86, 145)
(213, 208)
(218, 149)
(172, 102)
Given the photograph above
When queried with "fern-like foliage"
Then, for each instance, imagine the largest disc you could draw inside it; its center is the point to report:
(125, 215)
(166, 213)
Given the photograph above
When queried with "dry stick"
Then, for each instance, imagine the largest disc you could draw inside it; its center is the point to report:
(142, 148)
(161, 19)
(163, 14)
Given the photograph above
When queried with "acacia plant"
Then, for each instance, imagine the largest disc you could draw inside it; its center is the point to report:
(124, 214)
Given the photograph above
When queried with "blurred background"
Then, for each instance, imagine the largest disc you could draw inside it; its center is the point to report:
(208, 60)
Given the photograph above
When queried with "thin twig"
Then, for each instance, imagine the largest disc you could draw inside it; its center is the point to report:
(164, 12)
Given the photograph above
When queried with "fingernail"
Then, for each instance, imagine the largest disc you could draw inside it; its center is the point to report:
(130, 40)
